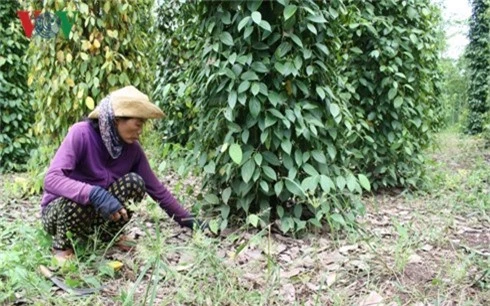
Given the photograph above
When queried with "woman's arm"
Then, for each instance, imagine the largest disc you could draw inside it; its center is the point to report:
(160, 193)
(57, 180)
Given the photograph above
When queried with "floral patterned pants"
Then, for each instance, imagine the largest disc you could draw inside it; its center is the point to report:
(63, 215)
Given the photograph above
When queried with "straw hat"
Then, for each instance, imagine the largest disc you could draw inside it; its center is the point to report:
(130, 102)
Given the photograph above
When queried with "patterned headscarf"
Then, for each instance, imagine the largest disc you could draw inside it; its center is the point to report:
(108, 128)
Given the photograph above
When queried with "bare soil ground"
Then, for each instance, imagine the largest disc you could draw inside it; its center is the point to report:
(412, 248)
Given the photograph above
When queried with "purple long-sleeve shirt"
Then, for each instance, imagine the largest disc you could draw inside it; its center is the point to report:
(82, 162)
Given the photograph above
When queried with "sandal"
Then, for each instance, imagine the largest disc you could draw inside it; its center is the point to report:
(62, 256)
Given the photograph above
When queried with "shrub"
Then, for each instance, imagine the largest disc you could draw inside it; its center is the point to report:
(16, 114)
(299, 102)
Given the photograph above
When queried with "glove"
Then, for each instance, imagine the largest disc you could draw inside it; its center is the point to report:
(104, 203)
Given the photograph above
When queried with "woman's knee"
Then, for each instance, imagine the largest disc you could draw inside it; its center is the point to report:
(137, 180)
(131, 186)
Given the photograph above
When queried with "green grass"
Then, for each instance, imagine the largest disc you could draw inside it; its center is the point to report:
(426, 246)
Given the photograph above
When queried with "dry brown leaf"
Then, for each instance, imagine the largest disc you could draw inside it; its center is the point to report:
(359, 264)
(292, 272)
(329, 258)
(331, 278)
(289, 293)
(293, 252)
(312, 286)
(346, 249)
(307, 262)
(332, 267)
(281, 248)
(414, 258)
(373, 299)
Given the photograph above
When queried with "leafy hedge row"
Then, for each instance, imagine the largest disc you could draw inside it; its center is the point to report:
(300, 102)
(394, 82)
(16, 114)
(477, 53)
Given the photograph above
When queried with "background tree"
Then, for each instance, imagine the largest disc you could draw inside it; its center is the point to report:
(110, 46)
(454, 93)
(393, 81)
(478, 65)
(173, 85)
(16, 113)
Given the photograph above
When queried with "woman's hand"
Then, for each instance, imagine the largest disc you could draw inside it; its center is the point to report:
(119, 214)
(106, 204)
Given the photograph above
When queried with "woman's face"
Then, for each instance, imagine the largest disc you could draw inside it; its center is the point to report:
(129, 129)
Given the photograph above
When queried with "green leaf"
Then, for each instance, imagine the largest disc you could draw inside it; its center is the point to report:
(411, 12)
(351, 182)
(356, 50)
(253, 220)
(225, 196)
(363, 180)
(280, 211)
(320, 92)
(249, 76)
(269, 172)
(294, 188)
(374, 53)
(310, 169)
(274, 98)
(289, 11)
(232, 98)
(254, 107)
(248, 31)
(310, 183)
(259, 67)
(338, 219)
(210, 167)
(340, 182)
(281, 68)
(257, 17)
(226, 38)
(248, 170)
(283, 49)
(258, 159)
(333, 12)
(265, 25)
(312, 28)
(243, 23)
(297, 40)
(271, 158)
(214, 226)
(317, 19)
(398, 102)
(298, 210)
(286, 146)
(334, 109)
(264, 186)
(323, 48)
(331, 151)
(236, 154)
(278, 188)
(326, 183)
(211, 199)
(319, 156)
(255, 88)
(392, 93)
(244, 86)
